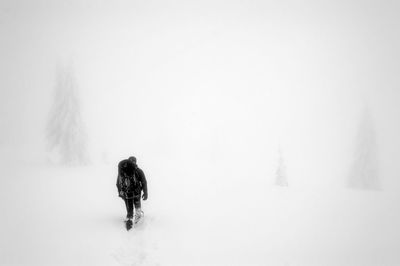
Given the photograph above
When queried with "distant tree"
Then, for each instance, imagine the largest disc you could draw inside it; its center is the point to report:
(65, 129)
(281, 177)
(364, 170)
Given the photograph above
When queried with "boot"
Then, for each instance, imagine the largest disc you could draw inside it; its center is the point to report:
(138, 214)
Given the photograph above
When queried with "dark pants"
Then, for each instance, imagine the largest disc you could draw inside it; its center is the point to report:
(129, 203)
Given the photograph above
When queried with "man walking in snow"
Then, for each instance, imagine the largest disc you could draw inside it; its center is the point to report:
(130, 183)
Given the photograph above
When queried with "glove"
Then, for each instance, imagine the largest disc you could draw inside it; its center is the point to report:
(144, 197)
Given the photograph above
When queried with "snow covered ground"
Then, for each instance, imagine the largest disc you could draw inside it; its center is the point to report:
(204, 94)
(72, 216)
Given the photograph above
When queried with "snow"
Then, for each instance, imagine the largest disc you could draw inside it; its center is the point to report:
(55, 215)
(204, 94)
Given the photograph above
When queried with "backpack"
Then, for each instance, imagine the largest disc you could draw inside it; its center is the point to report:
(129, 183)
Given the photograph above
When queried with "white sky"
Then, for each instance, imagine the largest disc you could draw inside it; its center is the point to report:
(207, 81)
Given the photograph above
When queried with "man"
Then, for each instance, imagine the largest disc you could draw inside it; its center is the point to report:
(130, 183)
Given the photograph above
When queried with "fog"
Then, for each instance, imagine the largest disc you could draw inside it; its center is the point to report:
(231, 88)
(207, 79)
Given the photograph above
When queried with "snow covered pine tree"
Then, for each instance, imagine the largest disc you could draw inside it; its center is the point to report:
(66, 134)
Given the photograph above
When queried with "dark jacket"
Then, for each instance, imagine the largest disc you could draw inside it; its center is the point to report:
(131, 179)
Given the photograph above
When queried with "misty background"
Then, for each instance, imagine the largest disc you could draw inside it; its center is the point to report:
(296, 94)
